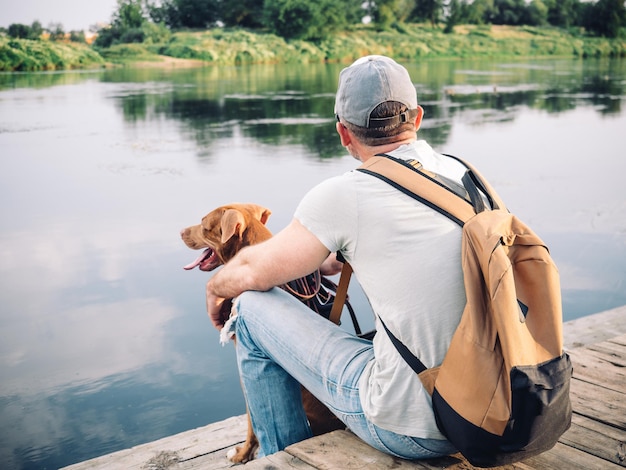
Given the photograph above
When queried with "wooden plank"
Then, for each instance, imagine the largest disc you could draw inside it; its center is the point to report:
(461, 463)
(278, 461)
(343, 450)
(598, 403)
(601, 440)
(594, 328)
(185, 446)
(213, 461)
(562, 457)
(219, 461)
(612, 350)
(619, 340)
(597, 367)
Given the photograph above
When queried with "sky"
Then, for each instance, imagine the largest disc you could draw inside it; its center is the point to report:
(74, 15)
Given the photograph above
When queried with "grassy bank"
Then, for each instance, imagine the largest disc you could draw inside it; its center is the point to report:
(29, 55)
(407, 42)
(410, 42)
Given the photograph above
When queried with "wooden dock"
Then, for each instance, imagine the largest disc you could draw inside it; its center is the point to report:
(596, 439)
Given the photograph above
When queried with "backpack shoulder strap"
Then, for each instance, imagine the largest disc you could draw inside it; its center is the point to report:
(433, 190)
(494, 199)
(341, 294)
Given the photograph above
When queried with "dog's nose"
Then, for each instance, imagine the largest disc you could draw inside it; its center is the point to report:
(182, 232)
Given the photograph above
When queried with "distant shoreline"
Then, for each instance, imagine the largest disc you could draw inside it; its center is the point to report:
(238, 46)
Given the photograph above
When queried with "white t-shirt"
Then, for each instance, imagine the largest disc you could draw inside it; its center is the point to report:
(407, 258)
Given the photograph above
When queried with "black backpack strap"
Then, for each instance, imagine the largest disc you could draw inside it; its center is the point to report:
(474, 193)
(412, 360)
(495, 201)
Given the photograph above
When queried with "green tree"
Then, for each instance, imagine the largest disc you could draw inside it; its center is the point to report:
(129, 14)
(57, 32)
(303, 19)
(428, 10)
(290, 18)
(77, 36)
(455, 15)
(163, 12)
(537, 13)
(479, 11)
(126, 25)
(198, 13)
(511, 12)
(383, 13)
(18, 30)
(36, 30)
(155, 33)
(387, 12)
(607, 17)
(356, 10)
(246, 13)
(562, 13)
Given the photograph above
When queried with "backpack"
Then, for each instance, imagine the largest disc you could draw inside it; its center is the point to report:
(501, 394)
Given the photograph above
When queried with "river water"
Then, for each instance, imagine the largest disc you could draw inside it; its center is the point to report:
(104, 340)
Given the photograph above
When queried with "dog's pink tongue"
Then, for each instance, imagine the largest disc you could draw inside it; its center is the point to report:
(198, 260)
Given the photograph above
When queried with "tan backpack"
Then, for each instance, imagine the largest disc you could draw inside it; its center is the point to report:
(502, 392)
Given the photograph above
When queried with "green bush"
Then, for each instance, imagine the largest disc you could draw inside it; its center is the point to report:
(303, 19)
(31, 55)
(156, 33)
(20, 31)
(132, 35)
(182, 51)
(121, 52)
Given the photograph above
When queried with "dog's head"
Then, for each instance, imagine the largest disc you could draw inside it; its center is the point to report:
(224, 231)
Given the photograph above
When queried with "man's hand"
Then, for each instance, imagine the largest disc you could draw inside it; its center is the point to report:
(217, 307)
(331, 266)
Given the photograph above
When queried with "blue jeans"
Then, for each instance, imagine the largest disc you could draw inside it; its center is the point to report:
(282, 344)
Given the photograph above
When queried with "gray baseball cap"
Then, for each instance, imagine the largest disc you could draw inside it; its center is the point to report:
(368, 82)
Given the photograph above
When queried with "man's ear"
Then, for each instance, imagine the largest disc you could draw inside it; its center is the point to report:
(418, 119)
(344, 134)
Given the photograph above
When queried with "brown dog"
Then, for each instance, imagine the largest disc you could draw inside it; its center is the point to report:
(222, 233)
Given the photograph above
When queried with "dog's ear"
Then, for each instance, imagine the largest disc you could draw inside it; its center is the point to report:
(233, 223)
(259, 212)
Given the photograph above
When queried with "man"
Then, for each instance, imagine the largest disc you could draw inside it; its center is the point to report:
(407, 258)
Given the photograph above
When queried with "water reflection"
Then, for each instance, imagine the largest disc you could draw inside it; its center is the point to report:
(104, 342)
(281, 106)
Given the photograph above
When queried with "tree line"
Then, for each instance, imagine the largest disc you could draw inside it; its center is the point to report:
(54, 31)
(153, 20)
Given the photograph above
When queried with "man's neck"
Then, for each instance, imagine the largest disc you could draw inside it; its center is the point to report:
(369, 152)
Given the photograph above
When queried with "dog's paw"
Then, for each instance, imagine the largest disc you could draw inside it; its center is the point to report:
(230, 455)
(241, 454)
(228, 330)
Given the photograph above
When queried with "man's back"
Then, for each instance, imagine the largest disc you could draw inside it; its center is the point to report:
(406, 257)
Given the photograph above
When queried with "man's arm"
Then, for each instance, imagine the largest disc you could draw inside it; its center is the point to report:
(292, 253)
